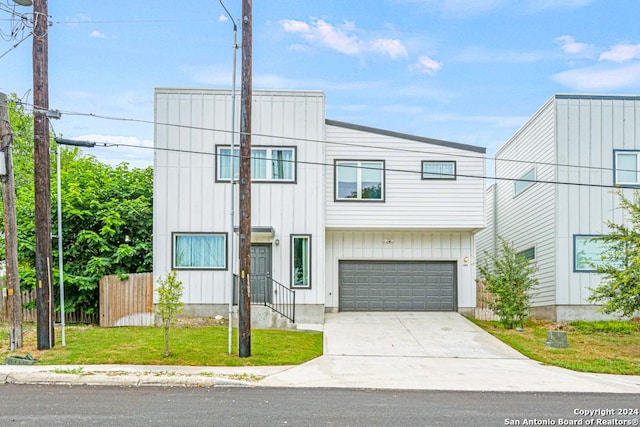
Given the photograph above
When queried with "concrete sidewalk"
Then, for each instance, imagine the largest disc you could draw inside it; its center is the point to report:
(420, 351)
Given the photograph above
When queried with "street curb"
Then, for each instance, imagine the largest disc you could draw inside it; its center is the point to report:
(120, 380)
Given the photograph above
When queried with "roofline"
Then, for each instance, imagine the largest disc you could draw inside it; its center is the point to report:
(596, 96)
(552, 100)
(449, 144)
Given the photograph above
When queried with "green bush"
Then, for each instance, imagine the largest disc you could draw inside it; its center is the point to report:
(169, 303)
(508, 277)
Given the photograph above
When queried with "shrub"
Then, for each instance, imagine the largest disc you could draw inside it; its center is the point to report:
(509, 277)
(169, 304)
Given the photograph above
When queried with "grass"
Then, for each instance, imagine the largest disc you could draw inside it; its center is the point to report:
(607, 347)
(188, 345)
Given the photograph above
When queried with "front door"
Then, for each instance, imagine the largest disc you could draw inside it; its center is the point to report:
(261, 286)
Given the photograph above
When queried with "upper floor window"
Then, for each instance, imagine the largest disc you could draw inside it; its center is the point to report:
(268, 164)
(359, 180)
(529, 253)
(438, 170)
(626, 170)
(199, 251)
(526, 181)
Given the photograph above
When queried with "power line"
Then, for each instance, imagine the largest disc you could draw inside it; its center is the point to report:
(342, 143)
(416, 172)
(191, 127)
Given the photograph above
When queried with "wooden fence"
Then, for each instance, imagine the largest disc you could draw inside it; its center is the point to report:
(482, 311)
(127, 302)
(30, 314)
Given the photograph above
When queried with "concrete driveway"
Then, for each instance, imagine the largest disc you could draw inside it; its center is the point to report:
(446, 335)
(431, 351)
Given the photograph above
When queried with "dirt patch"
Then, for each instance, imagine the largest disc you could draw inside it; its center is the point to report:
(201, 321)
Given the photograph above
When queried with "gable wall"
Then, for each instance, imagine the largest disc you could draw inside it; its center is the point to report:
(589, 129)
(527, 219)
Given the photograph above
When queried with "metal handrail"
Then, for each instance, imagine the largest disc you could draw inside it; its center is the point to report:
(270, 293)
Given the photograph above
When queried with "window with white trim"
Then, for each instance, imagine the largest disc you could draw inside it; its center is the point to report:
(268, 164)
(199, 251)
(524, 182)
(359, 180)
(301, 261)
(438, 169)
(626, 170)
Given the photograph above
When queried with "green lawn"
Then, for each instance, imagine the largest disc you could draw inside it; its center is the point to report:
(189, 345)
(608, 347)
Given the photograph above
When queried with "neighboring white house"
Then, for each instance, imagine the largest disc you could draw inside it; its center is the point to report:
(555, 191)
(350, 217)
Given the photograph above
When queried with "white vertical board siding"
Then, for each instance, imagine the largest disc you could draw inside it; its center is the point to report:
(410, 201)
(485, 238)
(589, 129)
(191, 122)
(527, 219)
(371, 245)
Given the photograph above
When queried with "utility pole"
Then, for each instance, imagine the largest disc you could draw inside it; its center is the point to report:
(42, 175)
(244, 301)
(10, 229)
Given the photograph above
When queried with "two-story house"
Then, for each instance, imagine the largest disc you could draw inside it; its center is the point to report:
(350, 217)
(555, 189)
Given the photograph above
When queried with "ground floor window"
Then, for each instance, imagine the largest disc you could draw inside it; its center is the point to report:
(587, 253)
(200, 251)
(301, 261)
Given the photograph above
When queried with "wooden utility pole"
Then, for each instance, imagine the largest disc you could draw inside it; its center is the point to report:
(10, 229)
(42, 175)
(244, 301)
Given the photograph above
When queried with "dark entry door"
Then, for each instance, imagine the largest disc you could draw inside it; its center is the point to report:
(261, 286)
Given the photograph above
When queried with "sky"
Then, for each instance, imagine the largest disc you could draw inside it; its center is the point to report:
(467, 71)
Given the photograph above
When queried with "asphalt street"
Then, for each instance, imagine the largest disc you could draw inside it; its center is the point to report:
(38, 405)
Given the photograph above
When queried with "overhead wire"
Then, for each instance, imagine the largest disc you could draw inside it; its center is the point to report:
(342, 143)
(306, 162)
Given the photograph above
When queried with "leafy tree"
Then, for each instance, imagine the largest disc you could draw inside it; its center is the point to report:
(107, 216)
(509, 278)
(620, 265)
(169, 304)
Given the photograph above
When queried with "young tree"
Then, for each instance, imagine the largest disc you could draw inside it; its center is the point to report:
(169, 304)
(509, 278)
(620, 264)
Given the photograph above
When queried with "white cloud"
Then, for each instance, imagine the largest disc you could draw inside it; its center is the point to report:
(570, 46)
(97, 34)
(391, 47)
(621, 53)
(600, 77)
(129, 149)
(222, 18)
(342, 39)
(426, 65)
